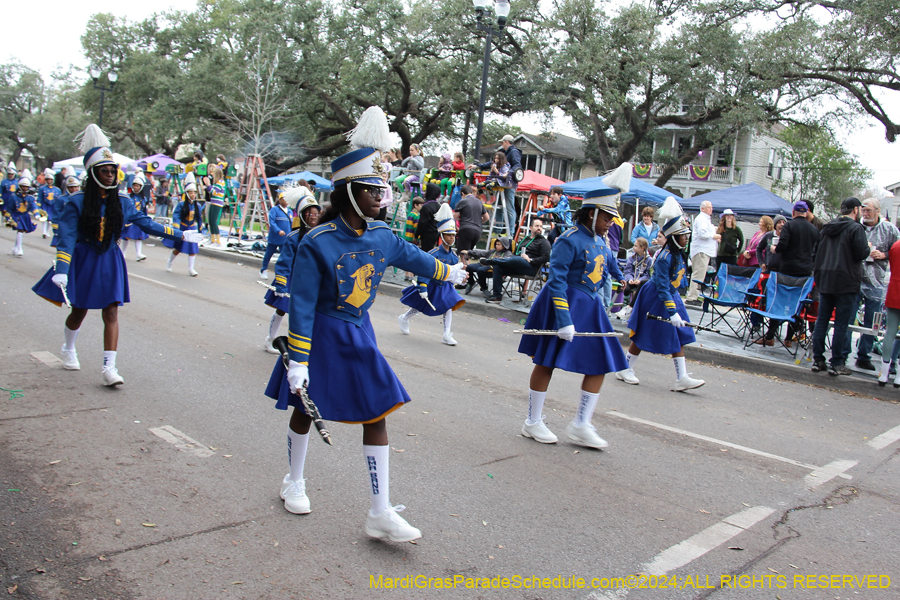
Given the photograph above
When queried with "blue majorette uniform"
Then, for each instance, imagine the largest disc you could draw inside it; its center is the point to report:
(58, 204)
(23, 208)
(46, 195)
(97, 277)
(8, 188)
(184, 218)
(579, 264)
(661, 298)
(132, 231)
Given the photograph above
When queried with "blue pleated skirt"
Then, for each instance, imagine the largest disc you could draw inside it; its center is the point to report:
(95, 280)
(585, 355)
(655, 336)
(280, 303)
(182, 246)
(23, 222)
(133, 232)
(442, 295)
(349, 379)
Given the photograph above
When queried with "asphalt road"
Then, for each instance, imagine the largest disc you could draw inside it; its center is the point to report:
(778, 486)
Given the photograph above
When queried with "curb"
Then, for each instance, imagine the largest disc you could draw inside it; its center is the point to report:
(853, 384)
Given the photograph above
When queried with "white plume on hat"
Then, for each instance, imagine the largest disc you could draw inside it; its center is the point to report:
(91, 137)
(190, 182)
(444, 218)
(139, 178)
(668, 211)
(371, 131)
(620, 177)
(294, 194)
(27, 173)
(48, 172)
(12, 167)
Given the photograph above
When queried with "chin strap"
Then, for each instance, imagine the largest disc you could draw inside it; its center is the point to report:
(675, 239)
(355, 205)
(105, 187)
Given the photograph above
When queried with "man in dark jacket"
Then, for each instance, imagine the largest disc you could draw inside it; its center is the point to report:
(838, 271)
(797, 244)
(532, 253)
(426, 230)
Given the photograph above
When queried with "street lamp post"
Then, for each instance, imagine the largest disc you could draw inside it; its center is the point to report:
(113, 77)
(501, 8)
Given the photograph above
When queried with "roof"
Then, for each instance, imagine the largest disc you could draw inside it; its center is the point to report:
(552, 143)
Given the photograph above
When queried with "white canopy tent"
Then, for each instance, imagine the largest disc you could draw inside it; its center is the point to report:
(125, 163)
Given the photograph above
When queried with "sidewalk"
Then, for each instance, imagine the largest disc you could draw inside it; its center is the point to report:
(711, 348)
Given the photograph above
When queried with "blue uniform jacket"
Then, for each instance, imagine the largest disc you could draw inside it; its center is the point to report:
(140, 203)
(285, 264)
(666, 288)
(562, 209)
(448, 257)
(279, 222)
(69, 234)
(580, 261)
(7, 190)
(23, 204)
(337, 271)
(184, 217)
(46, 195)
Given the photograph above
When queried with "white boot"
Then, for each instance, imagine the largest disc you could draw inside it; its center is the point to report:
(885, 373)
(448, 336)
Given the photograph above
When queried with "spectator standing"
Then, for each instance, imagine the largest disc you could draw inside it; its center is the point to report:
(732, 241)
(838, 271)
(769, 261)
(471, 214)
(561, 211)
(892, 304)
(280, 221)
(532, 253)
(797, 243)
(514, 160)
(881, 236)
(816, 221)
(703, 247)
(646, 229)
(765, 226)
(426, 229)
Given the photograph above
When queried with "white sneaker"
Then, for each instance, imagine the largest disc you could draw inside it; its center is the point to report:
(624, 313)
(263, 275)
(388, 524)
(111, 377)
(539, 432)
(294, 495)
(70, 360)
(192, 273)
(687, 383)
(585, 435)
(404, 325)
(141, 257)
(628, 376)
(448, 339)
(270, 348)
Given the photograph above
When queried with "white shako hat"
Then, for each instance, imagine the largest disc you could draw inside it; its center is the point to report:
(139, 179)
(445, 221)
(95, 145)
(11, 168)
(301, 198)
(671, 218)
(607, 198)
(25, 179)
(369, 139)
(190, 182)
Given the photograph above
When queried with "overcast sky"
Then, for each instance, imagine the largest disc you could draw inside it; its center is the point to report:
(55, 42)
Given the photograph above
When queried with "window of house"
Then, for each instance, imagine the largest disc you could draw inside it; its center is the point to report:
(684, 144)
(723, 156)
(770, 168)
(529, 162)
(779, 173)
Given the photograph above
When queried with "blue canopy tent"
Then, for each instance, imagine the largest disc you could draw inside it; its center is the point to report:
(321, 184)
(748, 200)
(641, 192)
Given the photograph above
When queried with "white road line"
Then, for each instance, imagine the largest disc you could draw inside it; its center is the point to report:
(169, 285)
(694, 547)
(706, 438)
(48, 358)
(829, 472)
(181, 441)
(885, 439)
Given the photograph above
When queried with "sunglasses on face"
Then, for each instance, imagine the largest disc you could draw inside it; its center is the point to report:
(107, 170)
(375, 192)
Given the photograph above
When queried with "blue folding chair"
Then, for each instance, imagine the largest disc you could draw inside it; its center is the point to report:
(785, 296)
(729, 294)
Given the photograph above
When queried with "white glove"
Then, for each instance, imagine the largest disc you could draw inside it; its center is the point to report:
(458, 274)
(193, 237)
(566, 333)
(676, 320)
(60, 279)
(297, 376)
(424, 295)
(281, 294)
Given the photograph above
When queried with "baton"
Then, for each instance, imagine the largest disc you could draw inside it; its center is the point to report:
(280, 344)
(553, 332)
(62, 288)
(686, 324)
(270, 287)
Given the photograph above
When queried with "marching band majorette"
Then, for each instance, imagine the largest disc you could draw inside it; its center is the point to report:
(660, 297)
(332, 347)
(570, 302)
(280, 223)
(186, 218)
(46, 196)
(132, 231)
(22, 209)
(307, 218)
(431, 297)
(73, 186)
(90, 269)
(7, 191)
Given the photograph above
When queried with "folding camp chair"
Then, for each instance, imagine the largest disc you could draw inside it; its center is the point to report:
(784, 297)
(728, 294)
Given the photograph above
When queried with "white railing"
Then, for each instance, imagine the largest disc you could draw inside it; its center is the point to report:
(717, 174)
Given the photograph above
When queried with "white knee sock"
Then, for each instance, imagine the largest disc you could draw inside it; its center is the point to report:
(191, 258)
(19, 237)
(274, 324)
(71, 336)
(448, 318)
(46, 227)
(586, 407)
(138, 244)
(109, 359)
(680, 367)
(124, 246)
(535, 406)
(297, 444)
(410, 314)
(171, 260)
(379, 473)
(631, 359)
